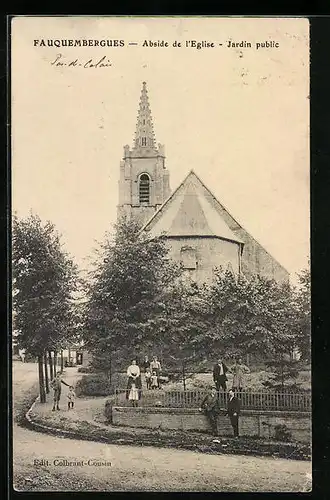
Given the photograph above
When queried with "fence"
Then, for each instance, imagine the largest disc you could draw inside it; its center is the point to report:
(194, 398)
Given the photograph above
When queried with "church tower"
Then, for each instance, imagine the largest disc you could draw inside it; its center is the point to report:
(144, 179)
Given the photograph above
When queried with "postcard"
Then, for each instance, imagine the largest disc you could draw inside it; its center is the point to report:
(160, 245)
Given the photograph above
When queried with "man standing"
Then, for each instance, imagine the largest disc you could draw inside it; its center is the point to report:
(56, 386)
(219, 375)
(146, 363)
(210, 405)
(233, 410)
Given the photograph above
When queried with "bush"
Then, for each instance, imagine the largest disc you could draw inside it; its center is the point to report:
(29, 358)
(93, 385)
(86, 369)
(119, 380)
(282, 433)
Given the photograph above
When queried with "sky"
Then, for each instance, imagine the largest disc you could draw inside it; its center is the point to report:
(239, 117)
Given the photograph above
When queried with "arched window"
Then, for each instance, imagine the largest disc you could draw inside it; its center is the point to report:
(144, 188)
(144, 141)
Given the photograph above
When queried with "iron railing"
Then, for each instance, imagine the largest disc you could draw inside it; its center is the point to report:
(193, 399)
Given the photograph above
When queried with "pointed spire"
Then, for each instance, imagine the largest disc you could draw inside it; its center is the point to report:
(144, 135)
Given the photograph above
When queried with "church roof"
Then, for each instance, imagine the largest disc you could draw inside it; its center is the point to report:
(189, 212)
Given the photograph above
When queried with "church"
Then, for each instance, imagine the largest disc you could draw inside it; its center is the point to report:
(200, 232)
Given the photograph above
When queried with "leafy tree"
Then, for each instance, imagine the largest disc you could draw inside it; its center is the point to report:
(182, 322)
(138, 300)
(252, 315)
(303, 318)
(44, 278)
(284, 368)
(129, 275)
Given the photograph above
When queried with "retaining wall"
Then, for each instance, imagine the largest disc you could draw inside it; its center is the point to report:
(251, 422)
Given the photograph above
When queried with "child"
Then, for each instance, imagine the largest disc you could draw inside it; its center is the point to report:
(148, 378)
(71, 397)
(154, 380)
(134, 395)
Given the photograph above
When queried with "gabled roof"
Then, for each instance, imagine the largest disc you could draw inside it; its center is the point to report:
(190, 212)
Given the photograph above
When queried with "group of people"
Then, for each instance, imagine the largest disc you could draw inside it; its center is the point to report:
(56, 385)
(152, 370)
(220, 371)
(211, 405)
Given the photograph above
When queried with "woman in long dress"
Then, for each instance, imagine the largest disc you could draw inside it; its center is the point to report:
(239, 370)
(134, 384)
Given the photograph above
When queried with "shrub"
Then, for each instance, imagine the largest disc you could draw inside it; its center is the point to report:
(93, 385)
(119, 380)
(282, 433)
(86, 369)
(29, 358)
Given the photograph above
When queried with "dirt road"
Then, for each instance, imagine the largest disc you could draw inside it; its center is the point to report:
(42, 463)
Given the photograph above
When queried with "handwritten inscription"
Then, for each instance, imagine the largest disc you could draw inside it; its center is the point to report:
(62, 61)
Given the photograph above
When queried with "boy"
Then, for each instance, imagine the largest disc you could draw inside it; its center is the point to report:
(148, 378)
(71, 396)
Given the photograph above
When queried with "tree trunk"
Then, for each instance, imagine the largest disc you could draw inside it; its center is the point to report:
(55, 362)
(51, 371)
(183, 377)
(42, 393)
(62, 361)
(110, 369)
(46, 373)
(69, 356)
(282, 373)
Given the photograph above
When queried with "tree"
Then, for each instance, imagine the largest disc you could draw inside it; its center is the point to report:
(250, 315)
(182, 323)
(303, 312)
(44, 278)
(129, 275)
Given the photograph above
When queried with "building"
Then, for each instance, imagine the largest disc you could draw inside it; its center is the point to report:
(200, 232)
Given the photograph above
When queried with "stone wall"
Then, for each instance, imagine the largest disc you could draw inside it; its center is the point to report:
(251, 422)
(210, 253)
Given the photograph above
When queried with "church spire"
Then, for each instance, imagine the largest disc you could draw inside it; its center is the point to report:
(144, 134)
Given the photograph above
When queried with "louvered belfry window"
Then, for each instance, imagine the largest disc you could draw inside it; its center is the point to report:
(144, 189)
